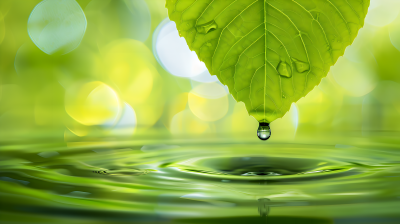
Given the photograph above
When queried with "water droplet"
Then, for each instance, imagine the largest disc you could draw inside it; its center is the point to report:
(207, 27)
(284, 69)
(264, 131)
(301, 66)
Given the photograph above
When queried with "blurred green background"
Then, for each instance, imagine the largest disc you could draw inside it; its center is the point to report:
(73, 70)
(76, 77)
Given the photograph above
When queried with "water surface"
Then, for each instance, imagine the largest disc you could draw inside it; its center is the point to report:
(201, 181)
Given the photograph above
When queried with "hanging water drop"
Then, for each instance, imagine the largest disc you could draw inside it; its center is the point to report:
(284, 69)
(264, 131)
(207, 27)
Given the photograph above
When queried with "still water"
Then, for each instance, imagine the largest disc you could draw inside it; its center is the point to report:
(201, 181)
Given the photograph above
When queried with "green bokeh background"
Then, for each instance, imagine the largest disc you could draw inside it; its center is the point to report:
(79, 94)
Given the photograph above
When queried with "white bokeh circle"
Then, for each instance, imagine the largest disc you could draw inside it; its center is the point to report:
(57, 26)
(173, 53)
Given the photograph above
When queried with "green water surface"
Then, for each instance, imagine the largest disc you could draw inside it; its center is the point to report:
(201, 181)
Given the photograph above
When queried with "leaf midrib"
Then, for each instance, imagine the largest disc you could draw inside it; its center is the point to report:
(303, 37)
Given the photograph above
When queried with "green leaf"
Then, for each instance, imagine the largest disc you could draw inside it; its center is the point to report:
(270, 53)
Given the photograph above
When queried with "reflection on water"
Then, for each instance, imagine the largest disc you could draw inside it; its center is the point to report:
(263, 207)
(201, 182)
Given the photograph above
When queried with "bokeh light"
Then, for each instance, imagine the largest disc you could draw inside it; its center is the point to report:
(186, 123)
(357, 79)
(208, 101)
(57, 26)
(382, 12)
(126, 124)
(174, 55)
(92, 103)
(130, 65)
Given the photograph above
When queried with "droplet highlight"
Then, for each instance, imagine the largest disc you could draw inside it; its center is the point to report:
(284, 69)
(301, 66)
(207, 27)
(264, 131)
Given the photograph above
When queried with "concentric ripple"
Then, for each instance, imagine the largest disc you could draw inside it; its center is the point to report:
(267, 168)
